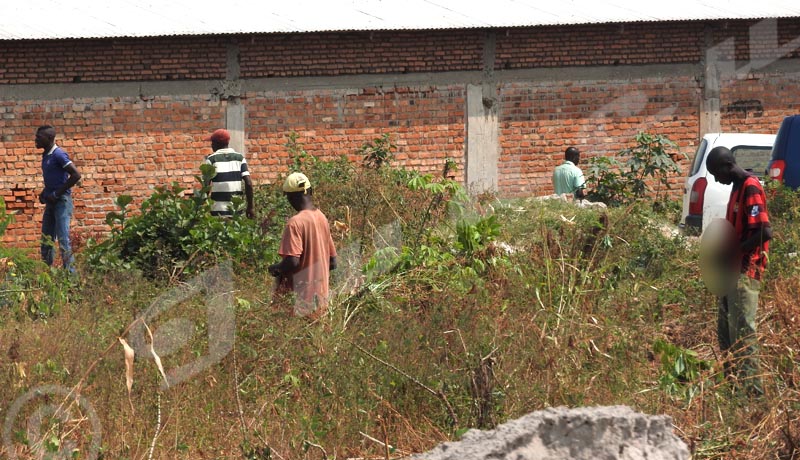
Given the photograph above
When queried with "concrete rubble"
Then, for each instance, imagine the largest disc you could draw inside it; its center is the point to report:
(587, 433)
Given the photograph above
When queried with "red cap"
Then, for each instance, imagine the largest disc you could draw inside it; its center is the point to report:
(221, 136)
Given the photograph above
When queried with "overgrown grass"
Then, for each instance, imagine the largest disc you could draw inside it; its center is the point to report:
(448, 315)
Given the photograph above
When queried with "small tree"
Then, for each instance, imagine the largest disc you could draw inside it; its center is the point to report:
(647, 164)
(377, 153)
(175, 236)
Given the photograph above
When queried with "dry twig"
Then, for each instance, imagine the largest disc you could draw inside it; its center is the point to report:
(439, 394)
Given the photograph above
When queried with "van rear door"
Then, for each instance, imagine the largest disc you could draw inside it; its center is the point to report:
(785, 163)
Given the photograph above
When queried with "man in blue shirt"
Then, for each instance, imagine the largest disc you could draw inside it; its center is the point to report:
(59, 175)
(568, 178)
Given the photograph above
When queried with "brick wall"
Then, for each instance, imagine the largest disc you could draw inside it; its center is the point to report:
(539, 121)
(426, 123)
(759, 102)
(296, 55)
(353, 53)
(128, 144)
(757, 40)
(120, 146)
(126, 59)
(605, 44)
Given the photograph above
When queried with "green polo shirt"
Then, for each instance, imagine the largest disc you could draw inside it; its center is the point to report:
(568, 178)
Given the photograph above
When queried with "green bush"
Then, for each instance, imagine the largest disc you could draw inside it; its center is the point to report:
(681, 369)
(648, 164)
(175, 236)
(377, 153)
(29, 287)
(374, 203)
(783, 205)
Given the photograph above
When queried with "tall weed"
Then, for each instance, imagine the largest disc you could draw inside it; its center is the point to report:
(457, 313)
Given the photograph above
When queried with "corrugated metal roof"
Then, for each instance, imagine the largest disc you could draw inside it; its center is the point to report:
(59, 19)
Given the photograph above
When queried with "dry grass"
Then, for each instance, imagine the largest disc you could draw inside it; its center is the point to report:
(569, 318)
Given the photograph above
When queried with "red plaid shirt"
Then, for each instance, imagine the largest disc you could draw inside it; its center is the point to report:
(747, 211)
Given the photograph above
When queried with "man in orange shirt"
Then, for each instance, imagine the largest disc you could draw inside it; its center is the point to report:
(307, 250)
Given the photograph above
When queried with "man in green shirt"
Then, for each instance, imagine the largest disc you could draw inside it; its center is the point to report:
(568, 177)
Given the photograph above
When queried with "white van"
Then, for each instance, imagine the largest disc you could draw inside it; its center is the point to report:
(704, 198)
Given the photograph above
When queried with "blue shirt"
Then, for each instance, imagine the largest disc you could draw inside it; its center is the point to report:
(53, 164)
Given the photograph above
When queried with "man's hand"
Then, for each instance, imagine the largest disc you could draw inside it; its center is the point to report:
(51, 197)
(251, 213)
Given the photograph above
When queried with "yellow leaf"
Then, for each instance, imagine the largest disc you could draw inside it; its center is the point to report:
(155, 356)
(340, 226)
(129, 355)
(21, 370)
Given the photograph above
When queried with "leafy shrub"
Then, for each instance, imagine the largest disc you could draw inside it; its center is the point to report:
(783, 201)
(646, 164)
(372, 204)
(681, 369)
(28, 286)
(783, 204)
(175, 236)
(472, 237)
(377, 153)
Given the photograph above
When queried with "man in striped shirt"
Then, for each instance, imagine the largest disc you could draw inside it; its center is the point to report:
(231, 171)
(746, 256)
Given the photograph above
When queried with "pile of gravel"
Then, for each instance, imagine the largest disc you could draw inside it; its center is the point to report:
(587, 433)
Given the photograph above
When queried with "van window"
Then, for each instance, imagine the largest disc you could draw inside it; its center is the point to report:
(753, 158)
(698, 157)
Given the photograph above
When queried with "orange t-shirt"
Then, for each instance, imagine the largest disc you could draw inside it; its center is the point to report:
(307, 236)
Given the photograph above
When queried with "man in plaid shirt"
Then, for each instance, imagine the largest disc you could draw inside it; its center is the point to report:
(746, 255)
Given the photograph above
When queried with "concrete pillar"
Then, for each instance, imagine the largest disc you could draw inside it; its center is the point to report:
(234, 122)
(234, 110)
(483, 145)
(483, 130)
(710, 118)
